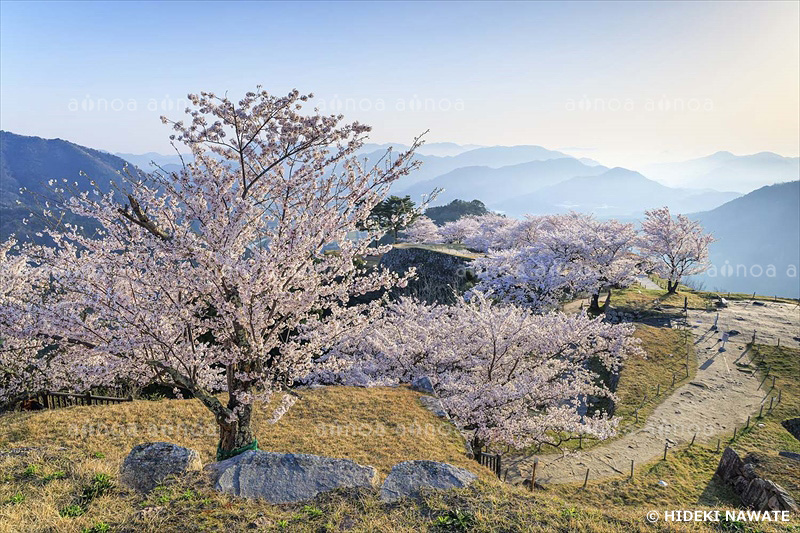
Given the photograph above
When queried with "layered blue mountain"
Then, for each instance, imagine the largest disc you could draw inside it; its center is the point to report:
(757, 246)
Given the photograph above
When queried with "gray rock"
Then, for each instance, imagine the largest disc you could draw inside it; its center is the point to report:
(150, 463)
(790, 455)
(754, 491)
(434, 405)
(407, 478)
(287, 477)
(423, 384)
(792, 425)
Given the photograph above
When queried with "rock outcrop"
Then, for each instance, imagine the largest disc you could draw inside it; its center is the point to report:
(151, 463)
(423, 384)
(754, 491)
(407, 478)
(287, 477)
(792, 425)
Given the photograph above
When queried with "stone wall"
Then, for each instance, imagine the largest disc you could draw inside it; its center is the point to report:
(439, 275)
(754, 491)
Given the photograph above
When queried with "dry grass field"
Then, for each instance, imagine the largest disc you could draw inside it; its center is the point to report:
(59, 471)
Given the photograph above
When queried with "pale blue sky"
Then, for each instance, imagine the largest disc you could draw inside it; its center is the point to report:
(600, 79)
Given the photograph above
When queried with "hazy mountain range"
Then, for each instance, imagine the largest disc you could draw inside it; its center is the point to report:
(726, 171)
(617, 192)
(754, 232)
(758, 228)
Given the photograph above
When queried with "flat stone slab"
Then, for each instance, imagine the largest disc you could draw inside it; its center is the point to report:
(287, 477)
(151, 463)
(407, 478)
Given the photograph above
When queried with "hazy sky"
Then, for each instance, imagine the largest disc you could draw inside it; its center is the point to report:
(623, 83)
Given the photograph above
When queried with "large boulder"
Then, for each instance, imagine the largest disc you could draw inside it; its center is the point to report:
(149, 464)
(287, 477)
(407, 478)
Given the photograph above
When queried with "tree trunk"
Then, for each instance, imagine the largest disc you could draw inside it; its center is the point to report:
(594, 306)
(237, 434)
(672, 288)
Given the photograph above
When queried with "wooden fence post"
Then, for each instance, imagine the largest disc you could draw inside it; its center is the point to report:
(533, 473)
(666, 445)
(693, 437)
(631, 468)
(586, 479)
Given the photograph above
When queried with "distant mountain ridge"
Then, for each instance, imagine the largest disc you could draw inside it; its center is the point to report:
(726, 171)
(497, 186)
(31, 161)
(617, 192)
(757, 230)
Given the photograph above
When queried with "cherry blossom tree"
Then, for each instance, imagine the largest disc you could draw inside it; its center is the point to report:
(552, 258)
(210, 279)
(422, 230)
(532, 277)
(611, 244)
(493, 232)
(601, 250)
(677, 246)
(503, 373)
(456, 231)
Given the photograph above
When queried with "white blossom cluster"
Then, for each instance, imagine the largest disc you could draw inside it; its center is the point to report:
(503, 373)
(212, 278)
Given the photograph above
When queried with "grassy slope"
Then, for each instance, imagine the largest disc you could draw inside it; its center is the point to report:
(36, 486)
(667, 351)
(689, 471)
(636, 298)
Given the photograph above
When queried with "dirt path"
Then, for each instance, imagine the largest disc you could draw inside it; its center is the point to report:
(720, 397)
(648, 283)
